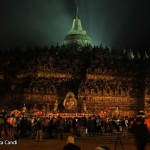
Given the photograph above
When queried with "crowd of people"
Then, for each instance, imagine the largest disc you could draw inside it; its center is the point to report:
(41, 127)
(49, 127)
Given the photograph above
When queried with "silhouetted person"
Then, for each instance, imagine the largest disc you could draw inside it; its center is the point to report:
(39, 129)
(23, 127)
(60, 127)
(140, 133)
(147, 122)
(12, 124)
(51, 128)
(71, 145)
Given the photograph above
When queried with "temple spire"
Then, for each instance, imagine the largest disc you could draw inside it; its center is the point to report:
(77, 13)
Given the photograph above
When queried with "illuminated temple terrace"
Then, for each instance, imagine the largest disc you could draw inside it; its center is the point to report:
(76, 77)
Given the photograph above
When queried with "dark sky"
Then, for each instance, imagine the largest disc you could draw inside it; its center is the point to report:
(122, 23)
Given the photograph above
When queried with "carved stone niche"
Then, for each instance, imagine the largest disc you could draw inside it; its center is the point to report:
(119, 100)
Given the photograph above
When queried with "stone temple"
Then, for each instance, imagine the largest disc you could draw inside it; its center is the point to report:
(107, 80)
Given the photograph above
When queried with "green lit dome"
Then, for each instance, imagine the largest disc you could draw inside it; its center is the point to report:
(77, 35)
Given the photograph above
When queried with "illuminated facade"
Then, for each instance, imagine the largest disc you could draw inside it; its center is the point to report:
(106, 80)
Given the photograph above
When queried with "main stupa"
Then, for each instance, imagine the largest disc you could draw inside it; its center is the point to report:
(77, 36)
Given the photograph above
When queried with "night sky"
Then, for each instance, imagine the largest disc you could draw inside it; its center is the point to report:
(121, 23)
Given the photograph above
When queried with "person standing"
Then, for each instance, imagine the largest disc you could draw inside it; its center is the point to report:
(70, 144)
(12, 124)
(147, 122)
(51, 128)
(125, 124)
(60, 127)
(23, 127)
(1, 127)
(39, 129)
(141, 134)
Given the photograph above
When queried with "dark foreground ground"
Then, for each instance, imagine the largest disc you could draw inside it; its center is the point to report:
(85, 143)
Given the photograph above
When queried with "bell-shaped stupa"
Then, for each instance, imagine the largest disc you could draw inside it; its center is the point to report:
(77, 36)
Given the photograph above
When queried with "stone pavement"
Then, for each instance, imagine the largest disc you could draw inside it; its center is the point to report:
(85, 143)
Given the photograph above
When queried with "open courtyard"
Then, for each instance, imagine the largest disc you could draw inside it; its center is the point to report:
(85, 143)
